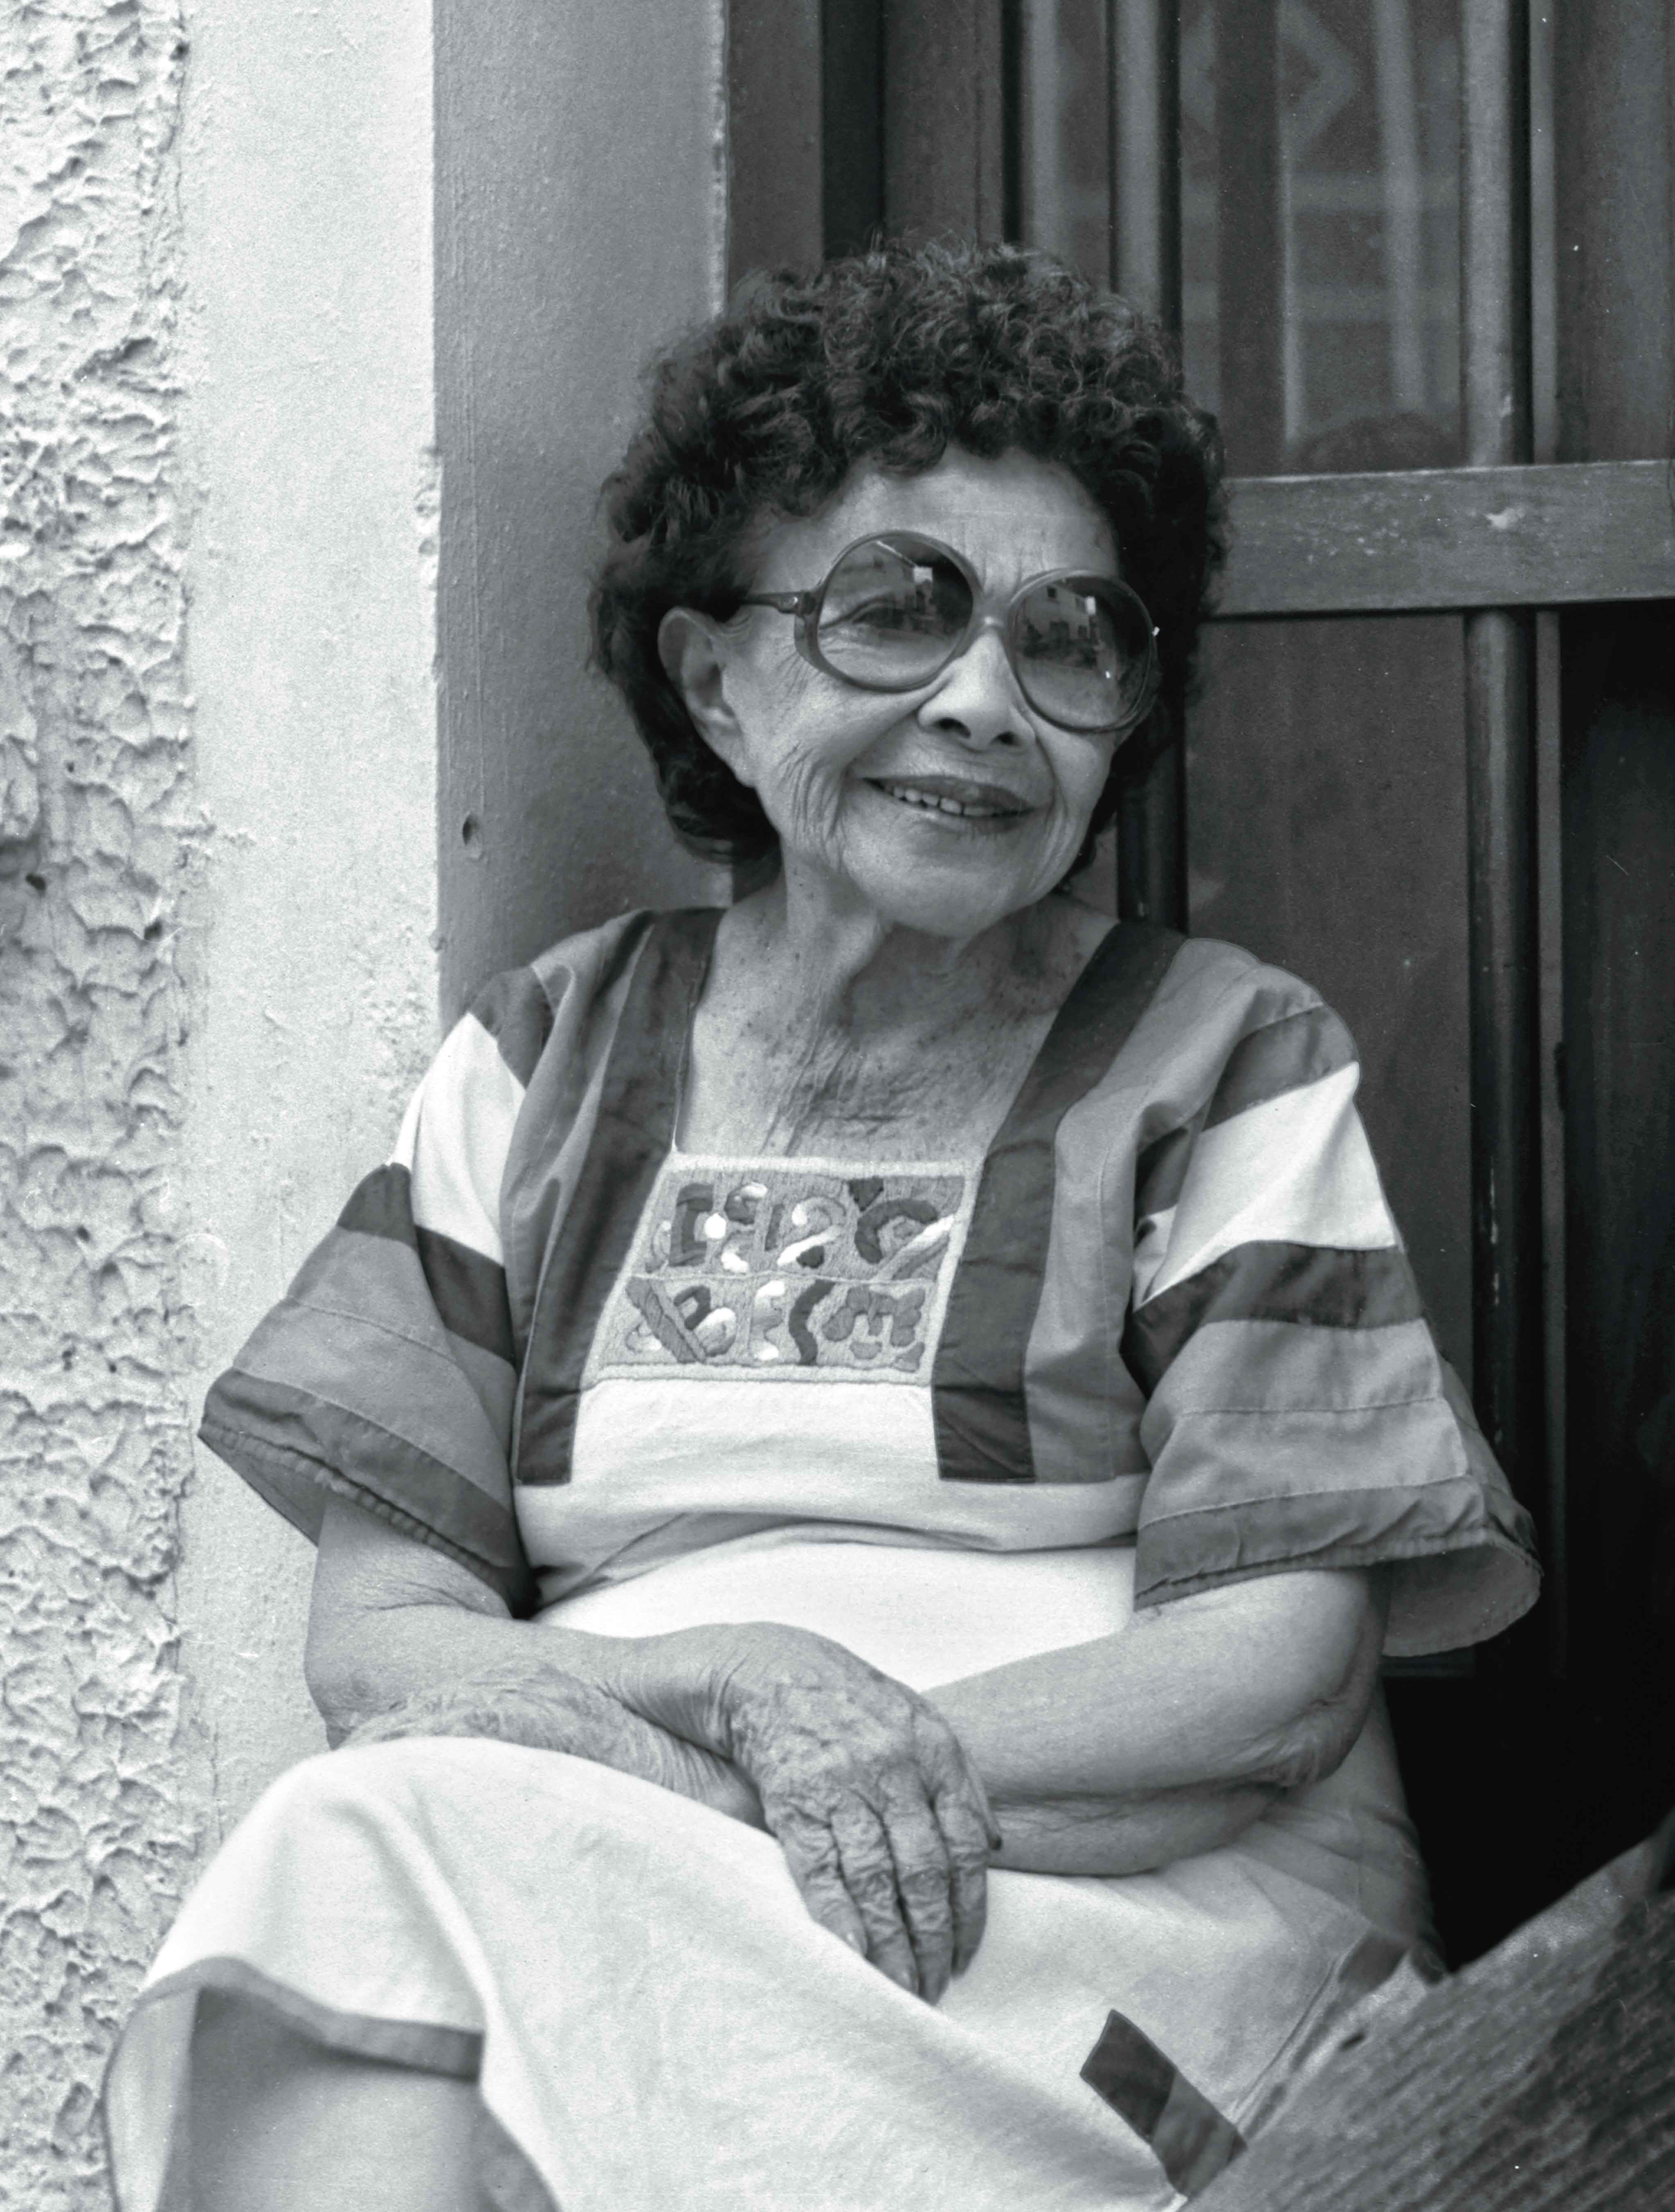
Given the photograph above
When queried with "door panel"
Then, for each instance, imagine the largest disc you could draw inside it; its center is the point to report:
(1325, 789)
(1065, 128)
(1619, 1087)
(1319, 225)
(947, 146)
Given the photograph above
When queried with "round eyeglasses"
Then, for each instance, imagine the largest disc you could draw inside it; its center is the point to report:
(897, 609)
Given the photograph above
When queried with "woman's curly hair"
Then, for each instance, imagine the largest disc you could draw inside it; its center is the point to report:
(890, 357)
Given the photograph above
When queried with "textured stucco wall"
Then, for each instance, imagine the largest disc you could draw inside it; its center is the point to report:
(217, 790)
(98, 1810)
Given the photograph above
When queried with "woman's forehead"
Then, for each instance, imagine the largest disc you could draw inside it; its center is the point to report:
(1011, 518)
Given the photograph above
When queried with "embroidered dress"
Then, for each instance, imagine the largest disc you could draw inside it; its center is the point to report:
(950, 1411)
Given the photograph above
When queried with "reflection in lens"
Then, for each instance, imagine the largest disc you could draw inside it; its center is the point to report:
(1083, 656)
(890, 615)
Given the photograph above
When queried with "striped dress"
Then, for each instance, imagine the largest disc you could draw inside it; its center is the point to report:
(952, 1411)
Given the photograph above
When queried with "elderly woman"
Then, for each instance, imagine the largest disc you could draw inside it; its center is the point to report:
(864, 1447)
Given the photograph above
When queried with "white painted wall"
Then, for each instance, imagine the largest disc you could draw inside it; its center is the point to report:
(308, 439)
(581, 225)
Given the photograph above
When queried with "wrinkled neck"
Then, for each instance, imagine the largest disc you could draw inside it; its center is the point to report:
(860, 975)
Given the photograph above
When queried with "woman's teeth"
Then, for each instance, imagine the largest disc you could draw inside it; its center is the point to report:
(936, 802)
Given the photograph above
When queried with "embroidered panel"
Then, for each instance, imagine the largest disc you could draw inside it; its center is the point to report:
(785, 1269)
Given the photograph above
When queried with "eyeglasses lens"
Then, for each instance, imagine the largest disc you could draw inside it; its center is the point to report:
(890, 616)
(1082, 657)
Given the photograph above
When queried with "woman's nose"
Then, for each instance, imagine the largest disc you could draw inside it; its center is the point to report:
(978, 699)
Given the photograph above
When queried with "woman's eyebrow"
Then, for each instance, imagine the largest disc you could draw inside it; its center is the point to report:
(1107, 558)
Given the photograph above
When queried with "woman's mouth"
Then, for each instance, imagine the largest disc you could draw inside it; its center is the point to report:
(955, 795)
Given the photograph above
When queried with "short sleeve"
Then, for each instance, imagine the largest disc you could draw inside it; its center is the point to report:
(1298, 1411)
(387, 1372)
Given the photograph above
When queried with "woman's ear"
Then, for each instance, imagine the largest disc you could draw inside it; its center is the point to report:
(695, 659)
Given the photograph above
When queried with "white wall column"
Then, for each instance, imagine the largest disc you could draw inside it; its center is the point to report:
(580, 223)
(308, 430)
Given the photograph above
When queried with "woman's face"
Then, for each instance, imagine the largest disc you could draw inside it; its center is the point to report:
(858, 783)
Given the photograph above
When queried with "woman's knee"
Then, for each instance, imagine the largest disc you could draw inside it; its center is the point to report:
(275, 2122)
(370, 1779)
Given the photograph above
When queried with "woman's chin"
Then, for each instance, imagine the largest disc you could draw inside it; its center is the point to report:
(955, 888)
(938, 879)
(949, 902)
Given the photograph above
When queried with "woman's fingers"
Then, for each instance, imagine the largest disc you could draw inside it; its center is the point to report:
(811, 1854)
(917, 1909)
(895, 1913)
(966, 1830)
(970, 1833)
(978, 1796)
(924, 1887)
(871, 1877)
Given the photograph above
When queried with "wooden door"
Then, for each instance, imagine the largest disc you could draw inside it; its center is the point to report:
(1431, 762)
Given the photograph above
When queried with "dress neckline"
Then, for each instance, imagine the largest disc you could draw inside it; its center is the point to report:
(980, 1411)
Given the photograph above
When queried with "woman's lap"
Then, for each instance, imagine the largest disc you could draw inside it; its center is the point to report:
(654, 2018)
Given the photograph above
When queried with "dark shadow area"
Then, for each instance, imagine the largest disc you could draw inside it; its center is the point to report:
(1522, 1785)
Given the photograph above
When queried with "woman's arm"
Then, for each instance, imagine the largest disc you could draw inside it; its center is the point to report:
(1171, 1737)
(881, 1816)
(404, 1641)
(1105, 1757)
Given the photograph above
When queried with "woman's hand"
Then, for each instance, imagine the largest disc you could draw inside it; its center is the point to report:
(883, 1819)
(504, 1703)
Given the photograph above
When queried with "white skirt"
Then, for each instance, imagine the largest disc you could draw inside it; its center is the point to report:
(650, 2014)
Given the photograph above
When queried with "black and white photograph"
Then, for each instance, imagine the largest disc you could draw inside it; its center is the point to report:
(837, 1105)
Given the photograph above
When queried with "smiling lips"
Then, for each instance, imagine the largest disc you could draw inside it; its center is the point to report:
(953, 795)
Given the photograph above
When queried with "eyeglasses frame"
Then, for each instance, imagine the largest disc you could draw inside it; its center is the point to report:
(805, 607)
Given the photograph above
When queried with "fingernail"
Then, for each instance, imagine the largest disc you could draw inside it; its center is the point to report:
(855, 1944)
